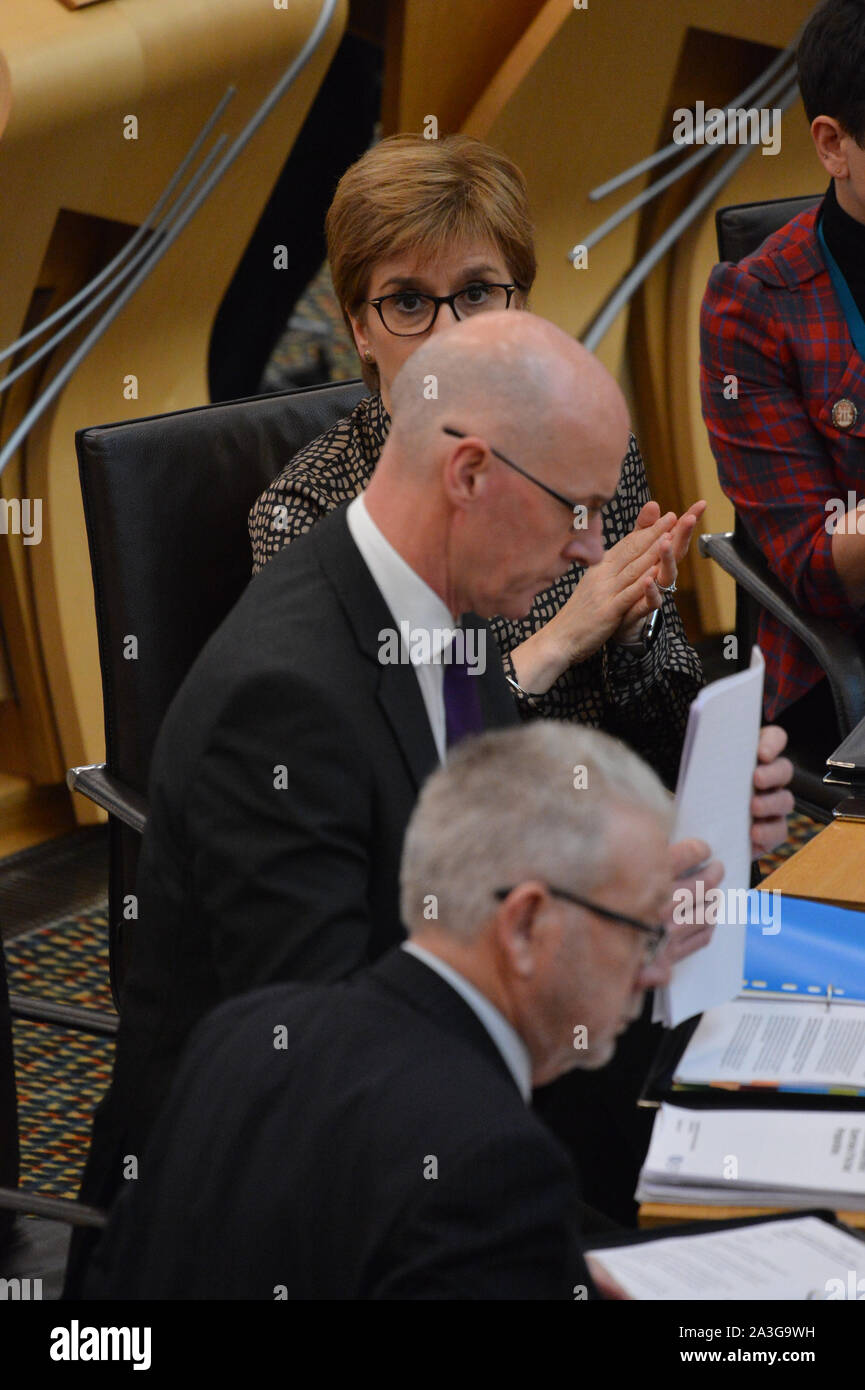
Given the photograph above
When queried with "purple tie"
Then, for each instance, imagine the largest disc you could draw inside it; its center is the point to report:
(462, 703)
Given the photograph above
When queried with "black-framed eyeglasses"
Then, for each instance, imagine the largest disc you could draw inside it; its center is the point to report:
(657, 934)
(408, 312)
(575, 508)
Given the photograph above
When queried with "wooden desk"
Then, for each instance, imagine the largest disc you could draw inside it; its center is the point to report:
(667, 1214)
(831, 867)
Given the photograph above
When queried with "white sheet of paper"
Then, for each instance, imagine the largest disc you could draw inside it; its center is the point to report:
(770, 1042)
(713, 800)
(804, 1258)
(803, 1151)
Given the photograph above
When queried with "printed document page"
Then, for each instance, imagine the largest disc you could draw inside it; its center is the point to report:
(804, 1258)
(766, 1042)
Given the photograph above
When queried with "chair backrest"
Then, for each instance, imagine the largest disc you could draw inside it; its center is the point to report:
(166, 501)
(743, 228)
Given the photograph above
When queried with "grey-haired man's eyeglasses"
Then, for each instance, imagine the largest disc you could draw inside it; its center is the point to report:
(657, 934)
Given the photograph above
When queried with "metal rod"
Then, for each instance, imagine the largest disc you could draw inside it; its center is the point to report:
(603, 321)
(32, 1010)
(52, 1208)
(654, 189)
(40, 405)
(668, 151)
(136, 237)
(141, 255)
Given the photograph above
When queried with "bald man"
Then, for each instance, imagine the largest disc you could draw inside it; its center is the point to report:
(291, 758)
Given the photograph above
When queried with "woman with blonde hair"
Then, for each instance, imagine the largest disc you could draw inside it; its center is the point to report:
(420, 233)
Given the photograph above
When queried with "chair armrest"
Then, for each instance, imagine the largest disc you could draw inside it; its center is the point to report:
(99, 785)
(53, 1208)
(837, 652)
(31, 1010)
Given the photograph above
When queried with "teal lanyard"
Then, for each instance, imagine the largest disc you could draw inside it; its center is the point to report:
(852, 314)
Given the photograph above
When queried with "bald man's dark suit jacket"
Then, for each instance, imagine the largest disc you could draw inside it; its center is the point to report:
(282, 782)
(364, 1141)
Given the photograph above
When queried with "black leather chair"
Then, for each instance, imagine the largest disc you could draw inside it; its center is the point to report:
(166, 502)
(740, 231)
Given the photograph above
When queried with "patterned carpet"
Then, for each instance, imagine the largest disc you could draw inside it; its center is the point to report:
(801, 830)
(60, 1074)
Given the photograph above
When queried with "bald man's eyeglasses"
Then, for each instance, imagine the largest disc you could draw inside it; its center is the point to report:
(575, 508)
(408, 312)
(657, 935)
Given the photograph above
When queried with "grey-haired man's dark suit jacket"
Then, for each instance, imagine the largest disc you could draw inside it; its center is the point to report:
(363, 1141)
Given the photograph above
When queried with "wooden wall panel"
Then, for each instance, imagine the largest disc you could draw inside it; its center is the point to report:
(67, 81)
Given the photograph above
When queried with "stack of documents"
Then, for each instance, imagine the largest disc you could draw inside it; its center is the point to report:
(756, 1158)
(803, 1258)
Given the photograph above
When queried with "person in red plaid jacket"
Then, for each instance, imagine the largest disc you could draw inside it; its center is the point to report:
(783, 382)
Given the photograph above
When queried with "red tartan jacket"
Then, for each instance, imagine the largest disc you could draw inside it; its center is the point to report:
(773, 322)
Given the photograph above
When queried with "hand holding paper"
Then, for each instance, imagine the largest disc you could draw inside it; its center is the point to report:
(690, 859)
(713, 803)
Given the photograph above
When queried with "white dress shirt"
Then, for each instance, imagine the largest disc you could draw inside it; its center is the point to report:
(506, 1038)
(410, 600)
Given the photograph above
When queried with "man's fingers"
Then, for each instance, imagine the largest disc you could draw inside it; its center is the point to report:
(767, 835)
(772, 742)
(689, 891)
(687, 855)
(769, 776)
(772, 802)
(772, 805)
(686, 940)
(604, 1282)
